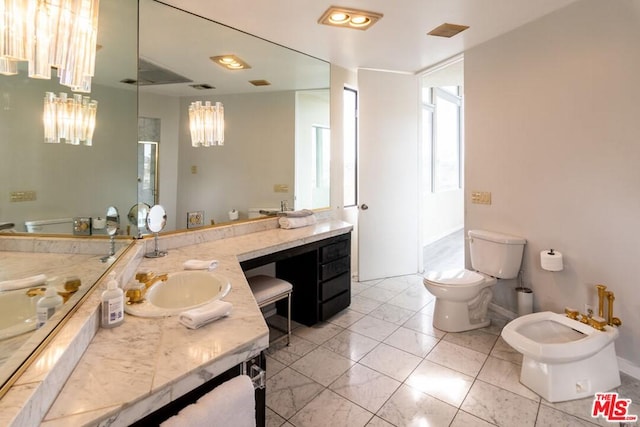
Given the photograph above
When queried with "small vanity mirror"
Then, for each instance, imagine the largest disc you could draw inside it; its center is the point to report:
(138, 217)
(112, 227)
(156, 220)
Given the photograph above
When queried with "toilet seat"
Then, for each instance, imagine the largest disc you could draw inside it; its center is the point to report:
(458, 278)
(557, 352)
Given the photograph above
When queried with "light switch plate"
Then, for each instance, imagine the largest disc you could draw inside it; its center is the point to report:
(281, 188)
(195, 219)
(481, 197)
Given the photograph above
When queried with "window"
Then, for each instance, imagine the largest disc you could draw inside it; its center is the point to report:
(446, 137)
(320, 156)
(350, 144)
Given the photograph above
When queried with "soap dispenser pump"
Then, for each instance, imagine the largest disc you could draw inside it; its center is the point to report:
(112, 306)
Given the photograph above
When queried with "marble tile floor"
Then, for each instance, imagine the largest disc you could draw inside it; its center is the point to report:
(382, 363)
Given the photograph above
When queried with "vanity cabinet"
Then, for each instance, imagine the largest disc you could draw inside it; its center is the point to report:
(320, 273)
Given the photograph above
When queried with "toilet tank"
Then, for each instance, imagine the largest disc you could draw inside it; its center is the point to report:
(50, 226)
(496, 254)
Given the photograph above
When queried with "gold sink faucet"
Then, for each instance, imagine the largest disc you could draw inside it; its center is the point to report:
(135, 294)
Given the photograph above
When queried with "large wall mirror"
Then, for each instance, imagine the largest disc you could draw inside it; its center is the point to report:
(272, 150)
(276, 139)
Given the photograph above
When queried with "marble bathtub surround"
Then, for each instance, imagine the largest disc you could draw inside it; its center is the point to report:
(182, 359)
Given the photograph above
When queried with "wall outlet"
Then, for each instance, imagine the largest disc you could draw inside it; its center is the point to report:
(588, 307)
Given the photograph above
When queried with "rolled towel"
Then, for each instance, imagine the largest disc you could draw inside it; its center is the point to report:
(296, 214)
(27, 282)
(196, 264)
(296, 222)
(207, 313)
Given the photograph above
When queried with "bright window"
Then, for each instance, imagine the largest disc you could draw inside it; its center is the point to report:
(350, 144)
(446, 139)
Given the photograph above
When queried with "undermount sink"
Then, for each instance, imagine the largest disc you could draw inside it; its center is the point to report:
(181, 291)
(18, 313)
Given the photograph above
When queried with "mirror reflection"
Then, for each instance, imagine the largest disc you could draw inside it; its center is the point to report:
(58, 188)
(276, 120)
(268, 156)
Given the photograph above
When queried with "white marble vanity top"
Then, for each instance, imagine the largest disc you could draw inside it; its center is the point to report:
(132, 370)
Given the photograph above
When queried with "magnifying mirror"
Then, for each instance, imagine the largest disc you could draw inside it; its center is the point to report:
(138, 216)
(112, 227)
(156, 220)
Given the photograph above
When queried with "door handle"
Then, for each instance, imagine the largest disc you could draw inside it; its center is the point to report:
(364, 207)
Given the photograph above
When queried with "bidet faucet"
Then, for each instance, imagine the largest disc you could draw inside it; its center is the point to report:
(284, 205)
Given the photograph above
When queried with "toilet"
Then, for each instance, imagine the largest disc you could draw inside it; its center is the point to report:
(463, 296)
(563, 359)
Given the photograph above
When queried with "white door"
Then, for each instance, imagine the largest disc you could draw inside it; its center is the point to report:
(388, 175)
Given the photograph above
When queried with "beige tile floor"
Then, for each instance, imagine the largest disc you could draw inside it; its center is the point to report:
(382, 363)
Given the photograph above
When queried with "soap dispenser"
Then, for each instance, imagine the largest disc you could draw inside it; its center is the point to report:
(112, 306)
(47, 305)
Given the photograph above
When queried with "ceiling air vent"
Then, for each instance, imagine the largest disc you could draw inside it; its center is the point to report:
(152, 74)
(447, 30)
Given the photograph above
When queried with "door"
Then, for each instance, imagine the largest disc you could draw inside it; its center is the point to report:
(388, 175)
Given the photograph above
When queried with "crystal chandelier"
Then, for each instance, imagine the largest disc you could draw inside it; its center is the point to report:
(69, 120)
(50, 33)
(206, 122)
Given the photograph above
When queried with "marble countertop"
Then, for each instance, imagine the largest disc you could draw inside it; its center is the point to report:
(132, 370)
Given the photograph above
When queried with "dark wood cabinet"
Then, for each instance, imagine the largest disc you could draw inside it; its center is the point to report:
(320, 273)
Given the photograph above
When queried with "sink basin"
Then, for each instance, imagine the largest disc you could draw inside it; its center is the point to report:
(18, 313)
(181, 291)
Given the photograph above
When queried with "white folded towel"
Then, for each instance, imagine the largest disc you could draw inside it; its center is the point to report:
(207, 313)
(296, 214)
(196, 264)
(296, 222)
(27, 282)
(232, 403)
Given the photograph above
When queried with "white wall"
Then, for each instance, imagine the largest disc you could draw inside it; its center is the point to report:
(258, 152)
(68, 180)
(552, 127)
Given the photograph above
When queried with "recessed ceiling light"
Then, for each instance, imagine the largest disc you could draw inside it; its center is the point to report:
(230, 62)
(349, 18)
(260, 82)
(447, 30)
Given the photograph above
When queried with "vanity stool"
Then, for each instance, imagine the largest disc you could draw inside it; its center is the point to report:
(267, 290)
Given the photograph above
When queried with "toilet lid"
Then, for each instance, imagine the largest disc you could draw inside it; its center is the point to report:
(455, 277)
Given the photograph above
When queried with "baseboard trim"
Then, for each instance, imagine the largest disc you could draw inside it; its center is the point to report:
(502, 311)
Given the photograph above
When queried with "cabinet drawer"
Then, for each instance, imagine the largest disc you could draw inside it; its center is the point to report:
(333, 268)
(335, 251)
(335, 305)
(333, 287)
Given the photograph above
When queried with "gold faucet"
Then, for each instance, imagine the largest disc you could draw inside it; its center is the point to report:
(613, 321)
(597, 322)
(135, 294)
(70, 286)
(601, 293)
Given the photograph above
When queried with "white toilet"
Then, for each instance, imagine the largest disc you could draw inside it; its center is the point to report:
(50, 226)
(463, 296)
(563, 359)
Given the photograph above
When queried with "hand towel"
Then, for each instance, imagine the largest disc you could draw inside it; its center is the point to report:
(296, 222)
(232, 403)
(27, 282)
(207, 313)
(196, 264)
(296, 214)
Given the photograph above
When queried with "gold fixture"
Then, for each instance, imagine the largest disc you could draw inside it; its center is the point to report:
(447, 30)
(230, 62)
(135, 294)
(70, 120)
(206, 123)
(69, 286)
(59, 34)
(349, 18)
(598, 322)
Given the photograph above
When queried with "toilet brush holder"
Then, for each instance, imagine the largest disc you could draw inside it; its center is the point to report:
(525, 301)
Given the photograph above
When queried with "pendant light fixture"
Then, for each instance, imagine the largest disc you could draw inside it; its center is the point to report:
(69, 120)
(206, 123)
